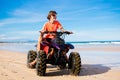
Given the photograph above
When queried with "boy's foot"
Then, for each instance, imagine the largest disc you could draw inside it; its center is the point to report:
(32, 64)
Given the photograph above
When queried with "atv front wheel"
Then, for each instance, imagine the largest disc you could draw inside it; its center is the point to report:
(41, 63)
(74, 63)
(31, 57)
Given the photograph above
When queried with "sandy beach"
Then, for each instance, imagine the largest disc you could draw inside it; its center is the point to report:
(13, 67)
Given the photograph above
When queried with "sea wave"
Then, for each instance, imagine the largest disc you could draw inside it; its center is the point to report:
(95, 42)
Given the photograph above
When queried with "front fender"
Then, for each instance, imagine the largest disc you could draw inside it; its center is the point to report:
(70, 46)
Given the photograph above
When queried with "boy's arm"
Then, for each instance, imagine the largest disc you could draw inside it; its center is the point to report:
(62, 29)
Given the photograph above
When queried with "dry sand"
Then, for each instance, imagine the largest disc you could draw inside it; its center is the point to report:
(13, 67)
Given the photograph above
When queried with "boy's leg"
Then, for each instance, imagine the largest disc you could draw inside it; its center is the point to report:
(39, 43)
(38, 49)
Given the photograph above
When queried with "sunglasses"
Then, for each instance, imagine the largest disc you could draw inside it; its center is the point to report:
(54, 15)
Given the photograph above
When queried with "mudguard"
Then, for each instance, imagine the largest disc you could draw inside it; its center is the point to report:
(70, 45)
(55, 45)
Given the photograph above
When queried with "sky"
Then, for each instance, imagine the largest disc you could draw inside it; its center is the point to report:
(89, 20)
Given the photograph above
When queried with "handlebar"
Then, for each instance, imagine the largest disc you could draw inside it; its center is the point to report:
(55, 32)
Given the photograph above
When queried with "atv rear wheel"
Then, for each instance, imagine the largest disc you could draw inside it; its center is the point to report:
(74, 63)
(31, 57)
(41, 63)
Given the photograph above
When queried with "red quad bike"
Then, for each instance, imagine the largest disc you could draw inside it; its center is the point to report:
(54, 52)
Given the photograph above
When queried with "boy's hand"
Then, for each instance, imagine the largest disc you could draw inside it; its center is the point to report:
(69, 32)
(42, 33)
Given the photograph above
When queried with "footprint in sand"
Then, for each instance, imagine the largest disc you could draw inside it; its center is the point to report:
(4, 74)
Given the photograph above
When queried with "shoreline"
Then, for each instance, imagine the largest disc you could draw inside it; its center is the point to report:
(25, 47)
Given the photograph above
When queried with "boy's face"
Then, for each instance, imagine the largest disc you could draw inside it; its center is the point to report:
(53, 17)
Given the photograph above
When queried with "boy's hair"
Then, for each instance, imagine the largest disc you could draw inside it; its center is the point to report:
(51, 13)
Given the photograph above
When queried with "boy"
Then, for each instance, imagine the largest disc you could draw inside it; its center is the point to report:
(51, 25)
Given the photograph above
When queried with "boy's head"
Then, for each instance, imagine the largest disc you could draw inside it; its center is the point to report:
(51, 13)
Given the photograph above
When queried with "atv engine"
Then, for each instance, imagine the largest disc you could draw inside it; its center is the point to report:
(59, 41)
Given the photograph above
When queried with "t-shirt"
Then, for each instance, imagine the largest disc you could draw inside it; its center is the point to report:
(51, 27)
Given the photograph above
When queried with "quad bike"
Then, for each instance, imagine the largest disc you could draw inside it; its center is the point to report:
(54, 52)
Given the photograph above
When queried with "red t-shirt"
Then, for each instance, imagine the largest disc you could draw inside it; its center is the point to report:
(51, 27)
